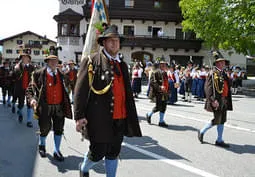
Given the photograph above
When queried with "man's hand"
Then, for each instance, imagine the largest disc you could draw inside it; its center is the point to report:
(163, 88)
(33, 103)
(215, 104)
(80, 124)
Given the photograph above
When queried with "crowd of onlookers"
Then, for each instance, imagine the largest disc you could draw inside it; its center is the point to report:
(184, 80)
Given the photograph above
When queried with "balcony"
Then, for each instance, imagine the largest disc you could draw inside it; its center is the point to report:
(39, 46)
(166, 42)
(139, 14)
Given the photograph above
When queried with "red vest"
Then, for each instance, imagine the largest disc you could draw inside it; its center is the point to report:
(25, 79)
(119, 93)
(165, 83)
(54, 92)
(225, 89)
(71, 75)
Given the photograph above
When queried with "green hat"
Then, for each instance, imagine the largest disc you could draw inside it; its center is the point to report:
(110, 32)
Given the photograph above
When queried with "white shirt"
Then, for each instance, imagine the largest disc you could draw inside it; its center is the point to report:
(117, 58)
(50, 72)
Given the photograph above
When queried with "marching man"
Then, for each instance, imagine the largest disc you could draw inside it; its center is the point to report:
(51, 102)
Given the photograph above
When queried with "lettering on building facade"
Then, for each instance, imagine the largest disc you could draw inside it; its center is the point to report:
(73, 2)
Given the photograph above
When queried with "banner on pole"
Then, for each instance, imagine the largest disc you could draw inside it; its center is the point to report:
(98, 17)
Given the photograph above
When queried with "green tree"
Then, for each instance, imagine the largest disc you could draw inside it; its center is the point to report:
(222, 24)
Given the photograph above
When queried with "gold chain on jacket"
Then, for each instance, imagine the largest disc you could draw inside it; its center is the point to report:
(90, 74)
(216, 83)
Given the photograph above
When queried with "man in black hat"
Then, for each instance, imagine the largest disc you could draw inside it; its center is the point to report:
(218, 99)
(51, 103)
(160, 89)
(104, 104)
(22, 74)
(188, 80)
(5, 82)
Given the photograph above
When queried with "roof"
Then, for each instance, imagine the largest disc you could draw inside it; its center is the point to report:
(22, 34)
(69, 13)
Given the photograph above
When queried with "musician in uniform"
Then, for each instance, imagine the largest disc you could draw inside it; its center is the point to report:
(218, 99)
(22, 74)
(160, 88)
(51, 103)
(104, 104)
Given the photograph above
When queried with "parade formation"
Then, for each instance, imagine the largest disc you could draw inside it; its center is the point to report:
(100, 94)
(102, 82)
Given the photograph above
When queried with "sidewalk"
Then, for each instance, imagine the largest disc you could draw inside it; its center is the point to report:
(249, 86)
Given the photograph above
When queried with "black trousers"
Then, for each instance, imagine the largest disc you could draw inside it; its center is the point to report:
(54, 117)
(7, 89)
(161, 103)
(111, 150)
(21, 99)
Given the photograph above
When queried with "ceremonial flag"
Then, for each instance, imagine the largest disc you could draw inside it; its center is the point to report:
(99, 15)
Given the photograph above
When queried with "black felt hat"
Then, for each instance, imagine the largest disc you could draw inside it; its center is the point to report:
(25, 52)
(110, 32)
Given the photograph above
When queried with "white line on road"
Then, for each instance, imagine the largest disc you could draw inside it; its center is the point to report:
(226, 125)
(199, 120)
(170, 162)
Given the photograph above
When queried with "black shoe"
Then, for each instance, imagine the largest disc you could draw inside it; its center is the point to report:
(200, 137)
(4, 102)
(162, 124)
(9, 105)
(222, 144)
(58, 156)
(42, 151)
(13, 109)
(29, 124)
(20, 118)
(148, 118)
(82, 174)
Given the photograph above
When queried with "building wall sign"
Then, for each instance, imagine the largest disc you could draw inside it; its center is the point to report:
(73, 2)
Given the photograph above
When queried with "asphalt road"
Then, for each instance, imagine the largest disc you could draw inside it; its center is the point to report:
(161, 152)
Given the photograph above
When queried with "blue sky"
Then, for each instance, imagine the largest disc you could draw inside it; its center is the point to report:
(18, 16)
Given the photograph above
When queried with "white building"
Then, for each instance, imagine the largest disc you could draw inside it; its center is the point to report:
(36, 42)
(139, 21)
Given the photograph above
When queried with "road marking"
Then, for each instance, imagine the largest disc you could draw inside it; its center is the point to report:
(204, 121)
(170, 162)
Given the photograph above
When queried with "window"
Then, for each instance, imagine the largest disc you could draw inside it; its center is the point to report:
(155, 31)
(157, 4)
(128, 30)
(129, 3)
(30, 42)
(19, 42)
(9, 51)
(178, 33)
(190, 35)
(74, 29)
(37, 42)
(69, 29)
(36, 52)
(45, 42)
(64, 29)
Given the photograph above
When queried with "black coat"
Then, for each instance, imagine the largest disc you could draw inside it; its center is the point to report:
(17, 75)
(98, 109)
(37, 91)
